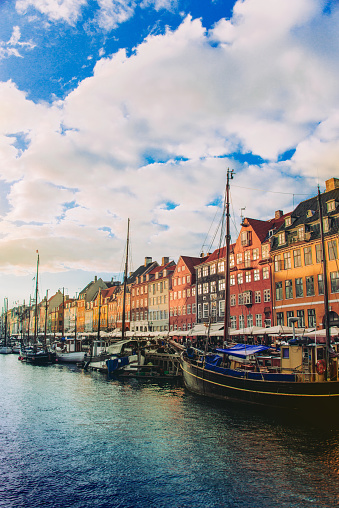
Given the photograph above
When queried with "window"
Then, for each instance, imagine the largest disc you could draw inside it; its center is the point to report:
(205, 288)
(288, 221)
(285, 352)
(258, 320)
(257, 297)
(221, 308)
(199, 311)
(301, 316)
(287, 261)
(246, 238)
(318, 253)
(198, 273)
(256, 274)
(266, 272)
(320, 284)
(288, 289)
(248, 276)
(310, 286)
(330, 205)
(205, 271)
(193, 291)
(232, 281)
(267, 295)
(188, 309)
(213, 286)
(188, 291)
(231, 260)
(311, 318)
(233, 322)
(299, 288)
(281, 238)
(301, 233)
(239, 258)
(277, 263)
(213, 269)
(221, 266)
(308, 255)
(205, 310)
(255, 254)
(297, 258)
(289, 314)
(247, 258)
(332, 250)
(240, 278)
(280, 318)
(199, 289)
(265, 251)
(240, 299)
(233, 300)
(249, 320)
(278, 291)
(241, 322)
(334, 279)
(221, 283)
(194, 308)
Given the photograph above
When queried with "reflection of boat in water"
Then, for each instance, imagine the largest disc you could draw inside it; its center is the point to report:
(302, 375)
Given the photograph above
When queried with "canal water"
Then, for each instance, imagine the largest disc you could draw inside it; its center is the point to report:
(70, 438)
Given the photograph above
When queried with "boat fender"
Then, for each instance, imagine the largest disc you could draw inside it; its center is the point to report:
(321, 366)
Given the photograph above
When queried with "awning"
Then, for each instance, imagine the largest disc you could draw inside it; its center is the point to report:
(202, 329)
(242, 350)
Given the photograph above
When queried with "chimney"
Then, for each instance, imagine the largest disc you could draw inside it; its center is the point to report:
(202, 255)
(164, 261)
(95, 278)
(278, 214)
(331, 184)
(148, 261)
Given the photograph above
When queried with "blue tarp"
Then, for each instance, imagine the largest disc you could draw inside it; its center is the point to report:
(213, 359)
(242, 350)
(116, 363)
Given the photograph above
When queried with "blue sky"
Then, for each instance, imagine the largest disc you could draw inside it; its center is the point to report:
(115, 109)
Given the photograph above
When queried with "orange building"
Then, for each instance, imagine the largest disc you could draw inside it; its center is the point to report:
(298, 282)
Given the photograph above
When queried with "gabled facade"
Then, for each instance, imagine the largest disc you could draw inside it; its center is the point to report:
(139, 296)
(250, 274)
(182, 296)
(159, 285)
(210, 287)
(298, 281)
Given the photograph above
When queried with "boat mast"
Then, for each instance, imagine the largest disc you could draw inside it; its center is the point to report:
(5, 306)
(125, 286)
(46, 309)
(327, 324)
(99, 315)
(36, 300)
(227, 255)
(63, 313)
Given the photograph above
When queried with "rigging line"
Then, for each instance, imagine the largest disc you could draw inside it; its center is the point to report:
(272, 192)
(207, 234)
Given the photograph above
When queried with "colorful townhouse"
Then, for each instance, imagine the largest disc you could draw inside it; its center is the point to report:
(159, 285)
(182, 296)
(298, 276)
(139, 296)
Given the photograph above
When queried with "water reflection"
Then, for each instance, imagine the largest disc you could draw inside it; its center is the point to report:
(73, 438)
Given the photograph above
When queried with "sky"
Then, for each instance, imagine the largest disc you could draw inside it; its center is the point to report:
(117, 109)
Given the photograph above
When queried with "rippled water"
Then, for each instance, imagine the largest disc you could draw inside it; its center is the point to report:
(74, 439)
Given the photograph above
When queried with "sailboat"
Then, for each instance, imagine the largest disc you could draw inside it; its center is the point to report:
(5, 349)
(301, 376)
(35, 354)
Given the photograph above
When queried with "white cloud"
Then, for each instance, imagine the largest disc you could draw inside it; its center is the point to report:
(55, 10)
(150, 136)
(12, 46)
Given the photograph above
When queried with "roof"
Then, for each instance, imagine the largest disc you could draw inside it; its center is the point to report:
(191, 262)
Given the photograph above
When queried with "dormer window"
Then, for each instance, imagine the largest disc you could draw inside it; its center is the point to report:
(326, 224)
(288, 221)
(331, 205)
(310, 213)
(301, 233)
(282, 238)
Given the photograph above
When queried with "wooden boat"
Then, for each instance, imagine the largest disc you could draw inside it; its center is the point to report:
(303, 375)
